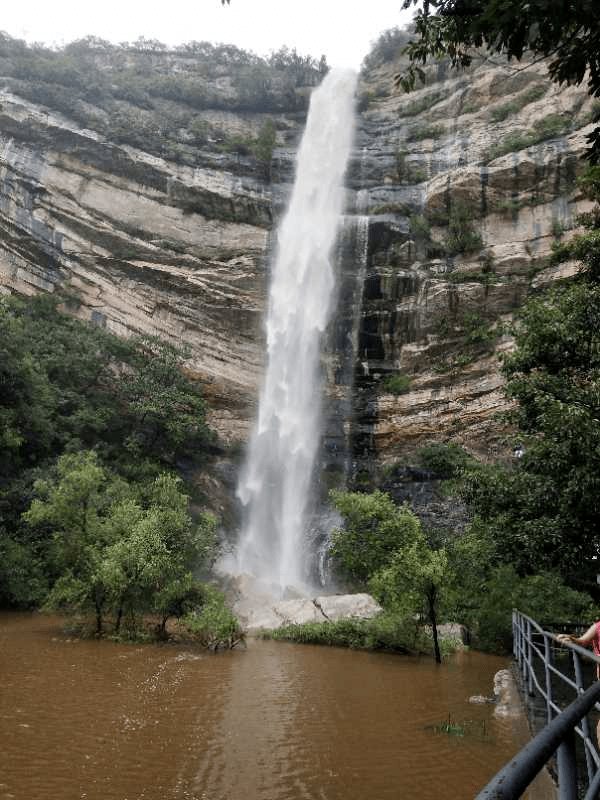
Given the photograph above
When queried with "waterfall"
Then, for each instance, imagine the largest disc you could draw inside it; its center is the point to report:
(275, 483)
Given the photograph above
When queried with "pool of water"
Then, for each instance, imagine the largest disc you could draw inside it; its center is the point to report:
(276, 721)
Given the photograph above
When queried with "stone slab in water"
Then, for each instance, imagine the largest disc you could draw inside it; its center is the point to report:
(258, 610)
(338, 606)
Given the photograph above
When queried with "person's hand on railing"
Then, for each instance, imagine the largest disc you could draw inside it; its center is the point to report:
(591, 636)
(563, 638)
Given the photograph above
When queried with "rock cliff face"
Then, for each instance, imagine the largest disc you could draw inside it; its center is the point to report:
(467, 183)
(456, 194)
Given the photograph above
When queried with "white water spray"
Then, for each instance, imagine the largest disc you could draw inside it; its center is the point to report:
(275, 485)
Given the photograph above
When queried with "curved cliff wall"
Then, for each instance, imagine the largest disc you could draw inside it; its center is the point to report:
(465, 183)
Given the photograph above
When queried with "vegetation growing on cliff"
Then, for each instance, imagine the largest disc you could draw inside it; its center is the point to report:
(148, 96)
(424, 577)
(566, 32)
(543, 514)
(385, 548)
(94, 518)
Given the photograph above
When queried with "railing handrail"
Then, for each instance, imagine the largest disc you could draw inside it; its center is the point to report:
(512, 780)
(559, 734)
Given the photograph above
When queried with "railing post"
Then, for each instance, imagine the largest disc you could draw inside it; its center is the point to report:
(585, 723)
(530, 685)
(523, 651)
(567, 768)
(548, 675)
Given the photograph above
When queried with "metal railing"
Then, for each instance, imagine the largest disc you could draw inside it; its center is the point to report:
(567, 733)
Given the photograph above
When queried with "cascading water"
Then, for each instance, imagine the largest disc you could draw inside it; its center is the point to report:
(275, 484)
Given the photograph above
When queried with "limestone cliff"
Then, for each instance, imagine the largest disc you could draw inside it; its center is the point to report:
(460, 190)
(467, 183)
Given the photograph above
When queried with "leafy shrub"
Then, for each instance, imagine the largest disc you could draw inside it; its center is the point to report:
(551, 126)
(534, 93)
(507, 206)
(486, 277)
(407, 172)
(477, 330)
(423, 104)
(374, 528)
(426, 132)
(502, 112)
(511, 143)
(543, 597)
(396, 384)
(444, 460)
(547, 128)
(388, 46)
(385, 631)
(461, 236)
(419, 226)
(520, 101)
(214, 625)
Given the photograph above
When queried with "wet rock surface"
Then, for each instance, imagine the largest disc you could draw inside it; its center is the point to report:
(260, 607)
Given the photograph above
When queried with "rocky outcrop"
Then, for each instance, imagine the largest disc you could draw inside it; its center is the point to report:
(142, 245)
(259, 609)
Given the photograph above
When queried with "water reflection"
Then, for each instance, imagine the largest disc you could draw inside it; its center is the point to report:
(101, 721)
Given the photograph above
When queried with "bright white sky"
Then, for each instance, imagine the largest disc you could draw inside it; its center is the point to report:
(342, 30)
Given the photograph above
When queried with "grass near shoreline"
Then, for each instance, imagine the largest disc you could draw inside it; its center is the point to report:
(382, 632)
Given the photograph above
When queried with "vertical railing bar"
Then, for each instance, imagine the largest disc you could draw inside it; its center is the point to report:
(567, 768)
(523, 653)
(529, 660)
(593, 791)
(548, 673)
(585, 725)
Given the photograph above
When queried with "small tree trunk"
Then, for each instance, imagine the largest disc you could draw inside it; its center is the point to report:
(431, 597)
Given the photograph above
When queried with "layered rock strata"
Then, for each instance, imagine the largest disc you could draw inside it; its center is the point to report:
(456, 195)
(468, 182)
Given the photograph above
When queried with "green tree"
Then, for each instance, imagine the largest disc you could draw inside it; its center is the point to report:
(414, 573)
(115, 547)
(73, 508)
(26, 398)
(67, 387)
(213, 625)
(565, 31)
(385, 546)
(481, 591)
(164, 410)
(374, 529)
(263, 146)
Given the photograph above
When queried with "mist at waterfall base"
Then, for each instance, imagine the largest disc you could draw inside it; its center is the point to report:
(277, 480)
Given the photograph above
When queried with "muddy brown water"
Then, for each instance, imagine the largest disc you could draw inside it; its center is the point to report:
(277, 721)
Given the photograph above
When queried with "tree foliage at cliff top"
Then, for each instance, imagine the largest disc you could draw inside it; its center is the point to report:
(567, 32)
(197, 75)
(159, 99)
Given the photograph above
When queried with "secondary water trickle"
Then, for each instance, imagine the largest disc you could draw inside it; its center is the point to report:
(276, 481)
